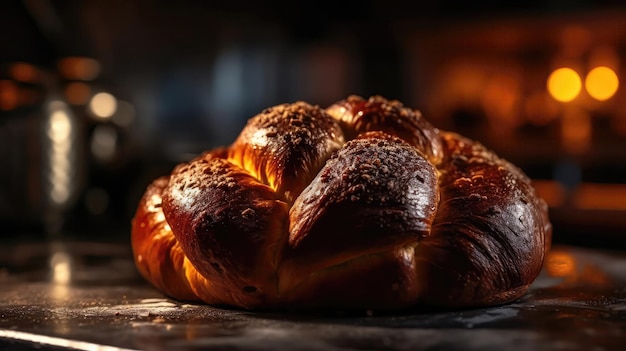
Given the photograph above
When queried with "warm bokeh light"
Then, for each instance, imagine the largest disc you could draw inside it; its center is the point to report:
(500, 100)
(594, 196)
(103, 105)
(8, 95)
(552, 192)
(24, 72)
(564, 84)
(79, 68)
(567, 264)
(60, 131)
(601, 83)
(560, 263)
(465, 81)
(60, 263)
(77, 93)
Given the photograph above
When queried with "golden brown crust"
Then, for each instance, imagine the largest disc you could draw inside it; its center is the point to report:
(221, 216)
(382, 279)
(363, 205)
(358, 115)
(488, 239)
(376, 193)
(158, 255)
(284, 146)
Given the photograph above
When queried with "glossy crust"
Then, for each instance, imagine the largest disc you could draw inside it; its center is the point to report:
(362, 205)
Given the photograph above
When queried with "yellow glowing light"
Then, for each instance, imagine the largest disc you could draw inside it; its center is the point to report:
(61, 268)
(60, 131)
(103, 105)
(60, 126)
(160, 216)
(564, 84)
(601, 83)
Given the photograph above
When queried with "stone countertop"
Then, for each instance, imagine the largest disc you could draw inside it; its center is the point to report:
(88, 296)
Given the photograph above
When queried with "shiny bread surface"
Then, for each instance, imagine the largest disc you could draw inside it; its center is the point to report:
(364, 204)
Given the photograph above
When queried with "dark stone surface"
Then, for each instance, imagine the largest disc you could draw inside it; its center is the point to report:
(99, 302)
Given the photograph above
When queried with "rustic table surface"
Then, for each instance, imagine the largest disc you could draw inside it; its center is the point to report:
(88, 296)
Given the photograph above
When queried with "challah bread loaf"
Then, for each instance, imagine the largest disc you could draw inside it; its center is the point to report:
(361, 205)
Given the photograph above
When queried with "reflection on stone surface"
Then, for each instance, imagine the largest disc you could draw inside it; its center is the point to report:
(560, 262)
(577, 303)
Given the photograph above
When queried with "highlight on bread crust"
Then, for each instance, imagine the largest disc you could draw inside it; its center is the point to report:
(361, 205)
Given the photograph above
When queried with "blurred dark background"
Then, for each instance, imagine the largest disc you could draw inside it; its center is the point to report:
(99, 97)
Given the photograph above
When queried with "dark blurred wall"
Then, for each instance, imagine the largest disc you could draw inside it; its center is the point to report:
(187, 75)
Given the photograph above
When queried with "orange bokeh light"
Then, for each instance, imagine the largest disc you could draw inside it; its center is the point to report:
(8, 95)
(24, 72)
(79, 68)
(77, 93)
(564, 84)
(601, 83)
(560, 263)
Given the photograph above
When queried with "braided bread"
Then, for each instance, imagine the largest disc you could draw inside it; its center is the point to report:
(363, 204)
